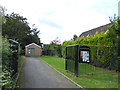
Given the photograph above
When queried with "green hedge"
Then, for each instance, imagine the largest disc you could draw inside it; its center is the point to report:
(53, 50)
(108, 59)
(71, 52)
(8, 59)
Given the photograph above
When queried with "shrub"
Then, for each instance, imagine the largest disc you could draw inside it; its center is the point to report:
(6, 72)
(53, 50)
(9, 57)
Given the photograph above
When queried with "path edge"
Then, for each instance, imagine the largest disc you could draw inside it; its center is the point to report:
(19, 72)
(63, 75)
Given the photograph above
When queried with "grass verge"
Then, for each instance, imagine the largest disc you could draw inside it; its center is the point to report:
(105, 80)
(21, 62)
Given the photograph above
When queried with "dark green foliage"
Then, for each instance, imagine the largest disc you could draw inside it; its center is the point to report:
(9, 63)
(114, 30)
(59, 50)
(17, 28)
(6, 59)
(53, 50)
(106, 60)
(6, 53)
(49, 50)
(93, 54)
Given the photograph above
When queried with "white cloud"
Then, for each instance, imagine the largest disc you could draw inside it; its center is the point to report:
(60, 18)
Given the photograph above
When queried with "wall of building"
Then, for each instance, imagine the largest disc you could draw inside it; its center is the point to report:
(37, 50)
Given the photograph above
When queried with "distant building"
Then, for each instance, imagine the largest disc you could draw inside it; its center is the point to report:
(92, 32)
(33, 50)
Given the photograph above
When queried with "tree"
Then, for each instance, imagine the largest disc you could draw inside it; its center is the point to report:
(54, 48)
(75, 37)
(2, 20)
(114, 32)
(2, 14)
(56, 41)
(17, 28)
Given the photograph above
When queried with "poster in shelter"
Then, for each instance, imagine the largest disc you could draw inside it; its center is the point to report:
(85, 56)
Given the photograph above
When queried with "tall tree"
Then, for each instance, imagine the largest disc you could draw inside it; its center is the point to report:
(114, 32)
(2, 20)
(2, 14)
(16, 27)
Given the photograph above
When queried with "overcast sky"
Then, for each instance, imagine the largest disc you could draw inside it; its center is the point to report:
(63, 18)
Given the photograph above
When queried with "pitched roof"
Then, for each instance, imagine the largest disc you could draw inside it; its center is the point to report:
(92, 32)
(32, 44)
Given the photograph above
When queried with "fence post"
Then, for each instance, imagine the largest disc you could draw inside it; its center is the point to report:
(66, 60)
(76, 60)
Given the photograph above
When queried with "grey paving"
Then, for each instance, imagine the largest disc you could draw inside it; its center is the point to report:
(37, 74)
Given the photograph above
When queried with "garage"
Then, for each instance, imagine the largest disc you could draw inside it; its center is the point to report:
(32, 50)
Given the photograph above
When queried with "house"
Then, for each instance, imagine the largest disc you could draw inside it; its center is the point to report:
(92, 32)
(33, 50)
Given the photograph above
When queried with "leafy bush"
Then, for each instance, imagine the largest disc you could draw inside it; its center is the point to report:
(53, 50)
(8, 64)
(66, 43)
(6, 73)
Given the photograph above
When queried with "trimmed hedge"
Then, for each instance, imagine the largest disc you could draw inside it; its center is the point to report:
(108, 59)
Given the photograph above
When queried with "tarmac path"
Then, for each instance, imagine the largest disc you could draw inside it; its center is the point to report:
(37, 74)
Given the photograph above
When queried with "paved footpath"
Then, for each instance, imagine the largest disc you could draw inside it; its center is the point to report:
(37, 74)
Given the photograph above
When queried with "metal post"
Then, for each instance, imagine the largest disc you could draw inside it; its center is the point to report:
(66, 60)
(76, 60)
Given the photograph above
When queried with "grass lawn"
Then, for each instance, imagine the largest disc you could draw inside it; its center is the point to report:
(105, 80)
(89, 69)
